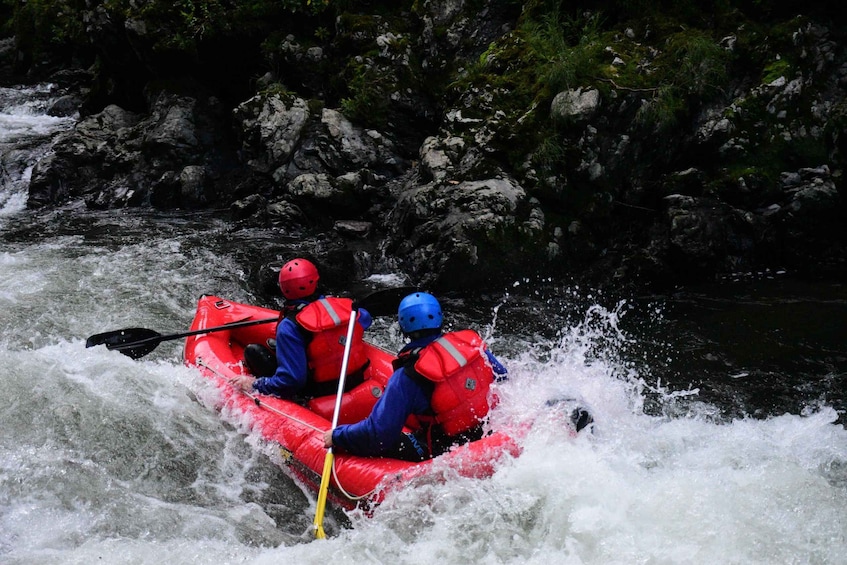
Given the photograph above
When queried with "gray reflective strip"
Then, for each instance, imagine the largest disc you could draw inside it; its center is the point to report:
(332, 313)
(454, 353)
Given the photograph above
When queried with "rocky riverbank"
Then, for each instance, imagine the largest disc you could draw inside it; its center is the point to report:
(430, 135)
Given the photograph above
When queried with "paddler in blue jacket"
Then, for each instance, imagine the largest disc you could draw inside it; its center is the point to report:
(439, 391)
(309, 343)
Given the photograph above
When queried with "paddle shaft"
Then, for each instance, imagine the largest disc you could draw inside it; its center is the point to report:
(320, 506)
(161, 338)
(137, 342)
(379, 303)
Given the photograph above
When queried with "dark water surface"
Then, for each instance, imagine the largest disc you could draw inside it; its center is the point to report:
(759, 348)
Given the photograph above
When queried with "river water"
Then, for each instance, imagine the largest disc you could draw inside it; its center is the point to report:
(719, 410)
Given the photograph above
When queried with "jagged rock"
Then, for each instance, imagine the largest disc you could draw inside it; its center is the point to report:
(467, 233)
(249, 207)
(316, 187)
(627, 182)
(706, 234)
(193, 184)
(118, 158)
(64, 106)
(577, 105)
(269, 127)
(171, 127)
(79, 157)
(440, 157)
(812, 195)
(352, 228)
(284, 212)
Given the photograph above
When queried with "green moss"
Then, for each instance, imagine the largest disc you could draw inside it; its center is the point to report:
(370, 87)
(550, 153)
(359, 24)
(778, 68)
(315, 106)
(280, 90)
(773, 155)
(690, 72)
(553, 50)
(775, 49)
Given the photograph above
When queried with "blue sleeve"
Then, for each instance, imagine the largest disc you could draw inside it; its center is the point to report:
(291, 366)
(497, 366)
(365, 319)
(381, 430)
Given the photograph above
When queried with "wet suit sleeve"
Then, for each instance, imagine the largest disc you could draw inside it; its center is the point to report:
(499, 370)
(291, 370)
(365, 319)
(381, 430)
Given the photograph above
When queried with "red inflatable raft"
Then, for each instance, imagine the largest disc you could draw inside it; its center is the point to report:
(298, 429)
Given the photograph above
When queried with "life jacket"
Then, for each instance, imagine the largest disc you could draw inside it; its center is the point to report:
(461, 378)
(326, 321)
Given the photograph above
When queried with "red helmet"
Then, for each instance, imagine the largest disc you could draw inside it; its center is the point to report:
(298, 278)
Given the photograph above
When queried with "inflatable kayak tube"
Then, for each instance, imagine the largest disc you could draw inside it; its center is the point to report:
(298, 429)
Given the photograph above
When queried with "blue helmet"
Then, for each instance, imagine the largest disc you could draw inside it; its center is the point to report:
(419, 311)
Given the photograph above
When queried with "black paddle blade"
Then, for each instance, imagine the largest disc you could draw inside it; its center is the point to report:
(385, 302)
(132, 342)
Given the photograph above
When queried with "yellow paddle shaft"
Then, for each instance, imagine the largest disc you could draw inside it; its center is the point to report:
(322, 493)
(327, 472)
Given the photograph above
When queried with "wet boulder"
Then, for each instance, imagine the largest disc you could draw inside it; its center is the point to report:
(269, 127)
(707, 235)
(172, 156)
(320, 163)
(84, 157)
(465, 234)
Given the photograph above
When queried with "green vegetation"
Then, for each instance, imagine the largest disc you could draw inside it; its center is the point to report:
(180, 24)
(369, 88)
(659, 61)
(550, 153)
(53, 28)
(776, 69)
(45, 28)
(685, 67)
(692, 71)
(568, 49)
